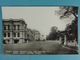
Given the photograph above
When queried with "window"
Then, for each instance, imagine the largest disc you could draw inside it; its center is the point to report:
(18, 27)
(4, 27)
(8, 34)
(14, 34)
(4, 34)
(8, 27)
(14, 27)
(18, 34)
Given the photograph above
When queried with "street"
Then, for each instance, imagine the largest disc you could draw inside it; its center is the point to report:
(50, 47)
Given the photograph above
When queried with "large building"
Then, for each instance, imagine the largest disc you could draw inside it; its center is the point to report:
(36, 34)
(14, 31)
(30, 35)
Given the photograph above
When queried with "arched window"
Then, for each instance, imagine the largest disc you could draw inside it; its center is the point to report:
(18, 34)
(8, 34)
(18, 27)
(8, 27)
(4, 27)
(14, 27)
(4, 34)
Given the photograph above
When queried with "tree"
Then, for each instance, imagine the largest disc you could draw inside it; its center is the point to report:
(72, 29)
(53, 33)
(66, 12)
(54, 29)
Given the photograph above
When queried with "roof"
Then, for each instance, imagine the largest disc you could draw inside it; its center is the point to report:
(14, 20)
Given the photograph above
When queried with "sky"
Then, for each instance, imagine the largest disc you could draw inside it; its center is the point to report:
(39, 18)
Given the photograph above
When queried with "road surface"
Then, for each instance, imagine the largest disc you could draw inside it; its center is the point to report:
(38, 47)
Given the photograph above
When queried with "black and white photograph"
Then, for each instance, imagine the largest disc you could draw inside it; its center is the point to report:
(33, 30)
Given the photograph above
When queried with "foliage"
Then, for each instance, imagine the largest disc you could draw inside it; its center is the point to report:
(71, 29)
(53, 34)
(65, 12)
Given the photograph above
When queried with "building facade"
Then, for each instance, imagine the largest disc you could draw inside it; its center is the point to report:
(33, 35)
(14, 31)
(30, 35)
(36, 35)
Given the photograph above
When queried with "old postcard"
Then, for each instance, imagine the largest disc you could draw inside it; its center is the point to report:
(40, 30)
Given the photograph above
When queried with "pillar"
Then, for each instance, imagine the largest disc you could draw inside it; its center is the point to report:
(65, 40)
(75, 42)
(59, 40)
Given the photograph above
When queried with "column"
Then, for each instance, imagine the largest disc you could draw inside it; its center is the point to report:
(75, 42)
(65, 40)
(59, 40)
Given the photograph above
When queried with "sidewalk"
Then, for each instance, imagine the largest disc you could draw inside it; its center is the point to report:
(69, 49)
